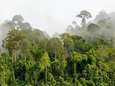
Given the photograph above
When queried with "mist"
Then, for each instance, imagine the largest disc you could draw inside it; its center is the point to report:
(101, 27)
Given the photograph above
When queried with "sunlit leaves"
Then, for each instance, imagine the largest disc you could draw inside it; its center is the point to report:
(44, 61)
(77, 57)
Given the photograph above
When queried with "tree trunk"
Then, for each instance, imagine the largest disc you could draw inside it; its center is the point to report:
(74, 74)
(83, 22)
(46, 70)
(13, 56)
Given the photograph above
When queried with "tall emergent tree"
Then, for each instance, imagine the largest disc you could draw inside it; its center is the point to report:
(84, 15)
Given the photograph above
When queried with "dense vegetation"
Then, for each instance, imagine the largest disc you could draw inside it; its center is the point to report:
(29, 57)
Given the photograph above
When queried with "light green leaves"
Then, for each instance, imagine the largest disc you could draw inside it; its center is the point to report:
(44, 61)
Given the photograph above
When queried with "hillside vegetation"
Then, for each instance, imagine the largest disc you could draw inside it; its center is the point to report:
(82, 56)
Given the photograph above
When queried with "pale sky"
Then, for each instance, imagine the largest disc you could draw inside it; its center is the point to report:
(52, 15)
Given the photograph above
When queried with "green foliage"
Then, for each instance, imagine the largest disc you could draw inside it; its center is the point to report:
(30, 58)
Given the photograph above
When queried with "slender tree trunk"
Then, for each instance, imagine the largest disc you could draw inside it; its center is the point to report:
(46, 71)
(13, 64)
(83, 22)
(13, 56)
(74, 74)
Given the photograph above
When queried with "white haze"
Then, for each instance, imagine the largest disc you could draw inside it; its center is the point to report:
(50, 15)
(3, 33)
(105, 31)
